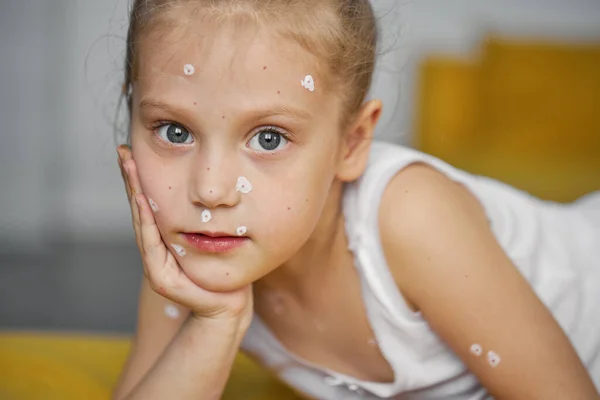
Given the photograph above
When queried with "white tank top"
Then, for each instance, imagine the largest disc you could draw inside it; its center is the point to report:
(555, 246)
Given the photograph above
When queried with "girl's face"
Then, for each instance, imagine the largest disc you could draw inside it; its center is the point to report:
(241, 111)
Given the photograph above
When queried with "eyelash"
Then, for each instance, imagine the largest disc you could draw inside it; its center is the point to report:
(267, 129)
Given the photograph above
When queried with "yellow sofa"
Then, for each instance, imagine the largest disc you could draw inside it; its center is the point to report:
(524, 112)
(48, 366)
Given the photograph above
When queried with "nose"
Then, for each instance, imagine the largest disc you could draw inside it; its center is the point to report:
(214, 183)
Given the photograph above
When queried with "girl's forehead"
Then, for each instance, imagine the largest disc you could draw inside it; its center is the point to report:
(245, 60)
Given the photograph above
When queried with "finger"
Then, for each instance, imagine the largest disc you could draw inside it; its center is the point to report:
(129, 168)
(124, 153)
(125, 180)
(132, 176)
(153, 248)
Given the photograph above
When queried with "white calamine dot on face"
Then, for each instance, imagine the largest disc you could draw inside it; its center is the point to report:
(476, 349)
(206, 216)
(153, 205)
(493, 359)
(241, 231)
(189, 69)
(171, 311)
(179, 250)
(243, 185)
(308, 83)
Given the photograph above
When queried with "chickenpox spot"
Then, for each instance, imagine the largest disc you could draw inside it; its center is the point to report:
(264, 68)
(171, 311)
(243, 185)
(179, 250)
(308, 83)
(153, 205)
(493, 359)
(476, 349)
(206, 216)
(170, 188)
(279, 92)
(189, 69)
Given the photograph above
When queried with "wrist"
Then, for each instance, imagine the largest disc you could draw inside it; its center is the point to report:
(232, 326)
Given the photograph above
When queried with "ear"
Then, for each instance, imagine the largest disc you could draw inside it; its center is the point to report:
(357, 142)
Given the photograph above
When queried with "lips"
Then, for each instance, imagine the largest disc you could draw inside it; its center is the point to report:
(213, 234)
(215, 242)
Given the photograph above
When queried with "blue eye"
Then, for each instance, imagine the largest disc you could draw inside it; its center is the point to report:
(268, 140)
(175, 134)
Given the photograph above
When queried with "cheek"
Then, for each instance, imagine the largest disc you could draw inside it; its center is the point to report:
(161, 190)
(288, 214)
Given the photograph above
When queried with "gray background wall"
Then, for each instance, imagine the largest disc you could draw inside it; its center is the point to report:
(65, 241)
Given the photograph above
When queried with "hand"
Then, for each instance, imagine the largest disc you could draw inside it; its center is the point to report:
(160, 265)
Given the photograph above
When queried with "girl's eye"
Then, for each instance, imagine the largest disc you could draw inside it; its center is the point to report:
(268, 140)
(175, 134)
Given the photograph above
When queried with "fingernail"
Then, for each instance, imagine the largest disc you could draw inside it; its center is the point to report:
(119, 153)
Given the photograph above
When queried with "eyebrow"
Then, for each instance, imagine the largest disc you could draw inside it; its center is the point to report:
(279, 110)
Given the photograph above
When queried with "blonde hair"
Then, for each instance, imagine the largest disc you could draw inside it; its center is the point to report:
(342, 34)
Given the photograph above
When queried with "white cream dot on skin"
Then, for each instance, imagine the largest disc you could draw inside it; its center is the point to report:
(243, 185)
(189, 69)
(308, 83)
(493, 359)
(372, 342)
(153, 205)
(241, 231)
(206, 216)
(179, 250)
(476, 349)
(171, 311)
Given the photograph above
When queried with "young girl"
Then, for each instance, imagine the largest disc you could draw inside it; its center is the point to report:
(268, 220)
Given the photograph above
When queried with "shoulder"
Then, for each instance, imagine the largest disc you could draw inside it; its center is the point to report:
(421, 204)
(425, 220)
(448, 265)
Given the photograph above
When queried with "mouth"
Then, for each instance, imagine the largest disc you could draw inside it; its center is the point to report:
(212, 234)
(215, 242)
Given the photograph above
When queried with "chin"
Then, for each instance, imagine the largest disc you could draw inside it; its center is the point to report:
(218, 278)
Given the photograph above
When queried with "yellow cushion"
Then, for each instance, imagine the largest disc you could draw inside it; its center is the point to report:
(51, 366)
(522, 112)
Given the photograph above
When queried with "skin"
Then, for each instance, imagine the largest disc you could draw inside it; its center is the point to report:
(223, 109)
(433, 231)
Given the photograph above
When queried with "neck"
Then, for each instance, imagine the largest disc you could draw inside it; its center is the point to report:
(311, 264)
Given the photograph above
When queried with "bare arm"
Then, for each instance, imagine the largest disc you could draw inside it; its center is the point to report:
(189, 356)
(154, 333)
(449, 265)
(196, 364)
